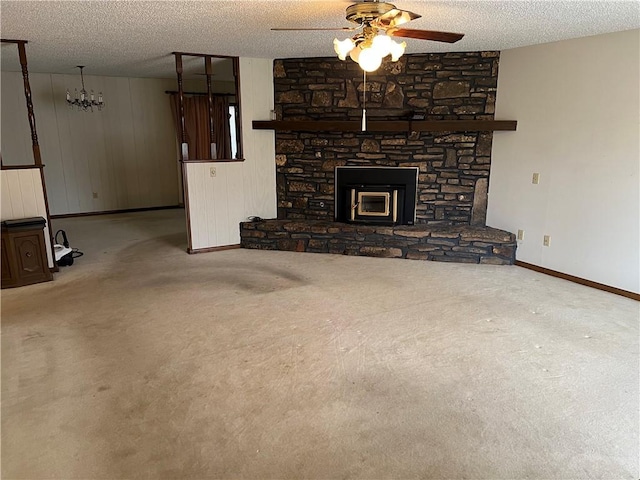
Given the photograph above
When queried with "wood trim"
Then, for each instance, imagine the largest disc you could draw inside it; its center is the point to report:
(7, 40)
(581, 281)
(175, 92)
(46, 208)
(215, 160)
(21, 167)
(239, 139)
(192, 251)
(111, 212)
(388, 126)
(202, 55)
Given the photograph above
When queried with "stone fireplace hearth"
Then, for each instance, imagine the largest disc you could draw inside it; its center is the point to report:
(443, 243)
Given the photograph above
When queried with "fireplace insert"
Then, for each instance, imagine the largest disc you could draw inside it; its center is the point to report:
(376, 195)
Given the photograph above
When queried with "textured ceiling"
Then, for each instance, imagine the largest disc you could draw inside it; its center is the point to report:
(136, 38)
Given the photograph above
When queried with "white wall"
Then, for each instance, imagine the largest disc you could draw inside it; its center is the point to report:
(126, 154)
(23, 197)
(578, 110)
(218, 204)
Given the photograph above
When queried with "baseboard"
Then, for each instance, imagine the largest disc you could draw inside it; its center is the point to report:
(111, 212)
(212, 249)
(581, 281)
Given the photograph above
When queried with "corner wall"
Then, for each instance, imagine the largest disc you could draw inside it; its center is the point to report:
(578, 110)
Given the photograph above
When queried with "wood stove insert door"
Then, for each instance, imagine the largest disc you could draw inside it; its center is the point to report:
(376, 195)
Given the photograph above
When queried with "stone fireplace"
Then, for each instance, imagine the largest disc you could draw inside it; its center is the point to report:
(453, 167)
(441, 216)
(376, 195)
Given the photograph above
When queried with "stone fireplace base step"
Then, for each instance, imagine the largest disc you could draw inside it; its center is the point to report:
(444, 243)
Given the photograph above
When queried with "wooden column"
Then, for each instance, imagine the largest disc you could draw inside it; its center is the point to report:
(184, 146)
(209, 72)
(22, 53)
(37, 159)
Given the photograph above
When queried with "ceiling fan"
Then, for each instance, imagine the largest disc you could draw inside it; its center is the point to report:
(376, 22)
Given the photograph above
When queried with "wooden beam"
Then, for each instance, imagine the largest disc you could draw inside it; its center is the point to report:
(20, 167)
(188, 54)
(387, 125)
(462, 125)
(8, 40)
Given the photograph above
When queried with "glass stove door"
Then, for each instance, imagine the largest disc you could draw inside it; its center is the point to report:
(374, 204)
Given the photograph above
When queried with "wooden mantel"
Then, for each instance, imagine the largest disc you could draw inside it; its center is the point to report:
(387, 126)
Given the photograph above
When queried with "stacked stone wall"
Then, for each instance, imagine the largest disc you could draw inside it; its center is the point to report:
(453, 166)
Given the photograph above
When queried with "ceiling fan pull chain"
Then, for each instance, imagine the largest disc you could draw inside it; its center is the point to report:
(364, 102)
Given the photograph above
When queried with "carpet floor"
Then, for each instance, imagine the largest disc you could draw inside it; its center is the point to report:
(140, 361)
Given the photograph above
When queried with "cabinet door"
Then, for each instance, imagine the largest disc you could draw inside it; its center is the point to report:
(31, 259)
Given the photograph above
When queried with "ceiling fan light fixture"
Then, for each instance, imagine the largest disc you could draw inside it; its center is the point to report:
(377, 22)
(369, 60)
(342, 48)
(382, 44)
(369, 49)
(397, 50)
(355, 53)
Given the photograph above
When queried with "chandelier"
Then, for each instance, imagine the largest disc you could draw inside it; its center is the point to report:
(84, 101)
(368, 48)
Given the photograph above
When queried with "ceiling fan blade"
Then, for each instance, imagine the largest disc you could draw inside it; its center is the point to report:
(393, 18)
(447, 37)
(343, 29)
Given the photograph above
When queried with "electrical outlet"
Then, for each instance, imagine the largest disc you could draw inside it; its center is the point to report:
(535, 179)
(95, 194)
(520, 234)
(212, 171)
(546, 240)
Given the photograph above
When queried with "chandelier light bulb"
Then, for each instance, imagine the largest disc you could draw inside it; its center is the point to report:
(397, 50)
(342, 48)
(382, 44)
(370, 60)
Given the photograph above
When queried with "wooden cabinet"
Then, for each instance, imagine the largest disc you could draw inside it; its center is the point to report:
(24, 254)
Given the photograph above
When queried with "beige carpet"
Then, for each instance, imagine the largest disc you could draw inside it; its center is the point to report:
(140, 361)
